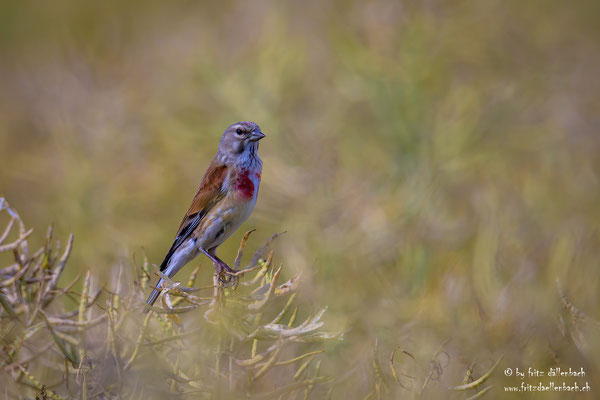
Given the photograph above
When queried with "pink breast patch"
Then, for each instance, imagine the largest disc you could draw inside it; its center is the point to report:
(244, 184)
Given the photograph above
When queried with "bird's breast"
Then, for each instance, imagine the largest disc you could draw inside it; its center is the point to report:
(232, 211)
(246, 184)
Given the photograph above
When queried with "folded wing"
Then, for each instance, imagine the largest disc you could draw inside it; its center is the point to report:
(209, 193)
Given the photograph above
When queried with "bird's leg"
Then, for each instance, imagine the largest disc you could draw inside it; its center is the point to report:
(224, 271)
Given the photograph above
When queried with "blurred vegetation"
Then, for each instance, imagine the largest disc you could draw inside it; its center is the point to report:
(434, 163)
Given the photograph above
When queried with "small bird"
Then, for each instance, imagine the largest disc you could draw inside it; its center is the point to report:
(225, 199)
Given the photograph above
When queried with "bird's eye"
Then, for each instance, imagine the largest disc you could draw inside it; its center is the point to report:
(239, 131)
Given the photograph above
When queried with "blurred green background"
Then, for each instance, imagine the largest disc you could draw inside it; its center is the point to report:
(436, 164)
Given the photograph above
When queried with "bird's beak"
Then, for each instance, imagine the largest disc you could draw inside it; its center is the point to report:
(256, 136)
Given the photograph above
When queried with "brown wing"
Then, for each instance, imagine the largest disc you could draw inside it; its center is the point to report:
(209, 193)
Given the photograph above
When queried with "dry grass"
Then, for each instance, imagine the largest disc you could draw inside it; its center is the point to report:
(211, 342)
(240, 341)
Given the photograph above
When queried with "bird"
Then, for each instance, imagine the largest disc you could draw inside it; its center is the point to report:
(224, 200)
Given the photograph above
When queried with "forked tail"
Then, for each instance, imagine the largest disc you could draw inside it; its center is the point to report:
(156, 292)
(154, 295)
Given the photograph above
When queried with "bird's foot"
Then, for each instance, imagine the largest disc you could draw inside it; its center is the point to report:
(226, 274)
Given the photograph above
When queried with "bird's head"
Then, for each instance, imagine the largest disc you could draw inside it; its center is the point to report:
(240, 138)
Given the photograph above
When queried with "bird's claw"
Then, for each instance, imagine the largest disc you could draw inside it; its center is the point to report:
(226, 274)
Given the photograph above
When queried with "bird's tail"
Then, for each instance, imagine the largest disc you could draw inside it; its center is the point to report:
(156, 292)
(154, 295)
